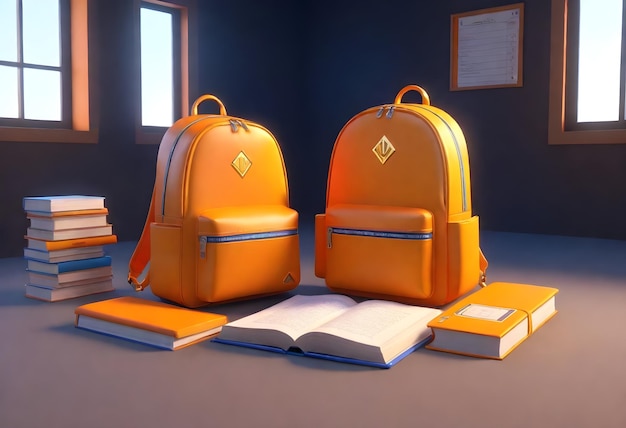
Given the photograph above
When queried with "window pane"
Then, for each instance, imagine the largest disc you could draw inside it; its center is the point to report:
(42, 94)
(599, 60)
(8, 30)
(41, 32)
(9, 105)
(157, 85)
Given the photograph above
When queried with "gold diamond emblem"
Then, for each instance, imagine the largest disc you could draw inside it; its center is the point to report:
(241, 164)
(383, 149)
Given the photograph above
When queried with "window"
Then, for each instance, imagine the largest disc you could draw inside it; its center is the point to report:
(164, 78)
(33, 62)
(160, 79)
(587, 74)
(593, 76)
(44, 77)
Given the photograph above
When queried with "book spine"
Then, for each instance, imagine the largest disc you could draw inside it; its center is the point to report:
(63, 214)
(67, 234)
(84, 264)
(80, 242)
(62, 203)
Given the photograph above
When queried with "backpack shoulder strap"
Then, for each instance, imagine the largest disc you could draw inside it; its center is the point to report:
(141, 256)
(483, 268)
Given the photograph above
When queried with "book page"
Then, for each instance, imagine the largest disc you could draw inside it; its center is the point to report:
(297, 315)
(374, 322)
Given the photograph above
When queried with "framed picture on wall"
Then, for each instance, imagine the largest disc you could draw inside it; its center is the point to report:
(486, 48)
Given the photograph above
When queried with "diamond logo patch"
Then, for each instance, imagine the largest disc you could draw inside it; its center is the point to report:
(241, 164)
(383, 149)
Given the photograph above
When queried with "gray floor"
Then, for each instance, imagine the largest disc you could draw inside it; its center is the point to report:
(570, 373)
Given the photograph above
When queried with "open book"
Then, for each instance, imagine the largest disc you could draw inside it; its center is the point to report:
(374, 332)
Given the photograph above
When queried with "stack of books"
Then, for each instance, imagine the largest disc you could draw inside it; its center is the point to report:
(65, 252)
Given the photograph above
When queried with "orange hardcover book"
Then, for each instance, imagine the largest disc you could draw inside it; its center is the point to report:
(494, 320)
(153, 323)
(44, 245)
(57, 214)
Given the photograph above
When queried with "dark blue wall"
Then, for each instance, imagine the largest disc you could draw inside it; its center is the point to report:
(116, 167)
(252, 56)
(361, 53)
(349, 55)
(303, 68)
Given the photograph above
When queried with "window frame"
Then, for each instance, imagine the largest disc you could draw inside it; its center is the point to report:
(557, 131)
(82, 126)
(188, 65)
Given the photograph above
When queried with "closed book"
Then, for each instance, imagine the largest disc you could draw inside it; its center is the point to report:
(58, 235)
(68, 266)
(57, 256)
(36, 280)
(494, 320)
(57, 214)
(43, 245)
(56, 294)
(61, 279)
(153, 323)
(62, 203)
(67, 222)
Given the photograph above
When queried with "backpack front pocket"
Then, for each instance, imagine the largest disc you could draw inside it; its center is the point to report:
(247, 251)
(379, 250)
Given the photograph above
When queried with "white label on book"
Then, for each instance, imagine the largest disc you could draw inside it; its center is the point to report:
(489, 313)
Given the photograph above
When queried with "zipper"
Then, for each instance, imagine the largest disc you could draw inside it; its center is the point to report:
(202, 247)
(416, 236)
(459, 157)
(381, 111)
(457, 148)
(235, 124)
(208, 239)
(390, 112)
(169, 159)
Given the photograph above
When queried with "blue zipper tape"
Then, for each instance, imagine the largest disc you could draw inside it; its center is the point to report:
(169, 159)
(251, 236)
(459, 156)
(419, 236)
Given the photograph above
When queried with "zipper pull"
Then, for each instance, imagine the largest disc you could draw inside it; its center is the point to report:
(202, 247)
(380, 112)
(390, 112)
(329, 237)
(233, 125)
(243, 124)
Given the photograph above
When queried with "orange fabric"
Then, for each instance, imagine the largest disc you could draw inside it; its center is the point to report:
(141, 255)
(225, 171)
(401, 157)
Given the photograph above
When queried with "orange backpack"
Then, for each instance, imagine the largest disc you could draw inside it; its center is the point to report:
(219, 226)
(398, 223)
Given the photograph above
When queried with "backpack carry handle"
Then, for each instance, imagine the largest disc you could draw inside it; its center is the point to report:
(196, 103)
(423, 93)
